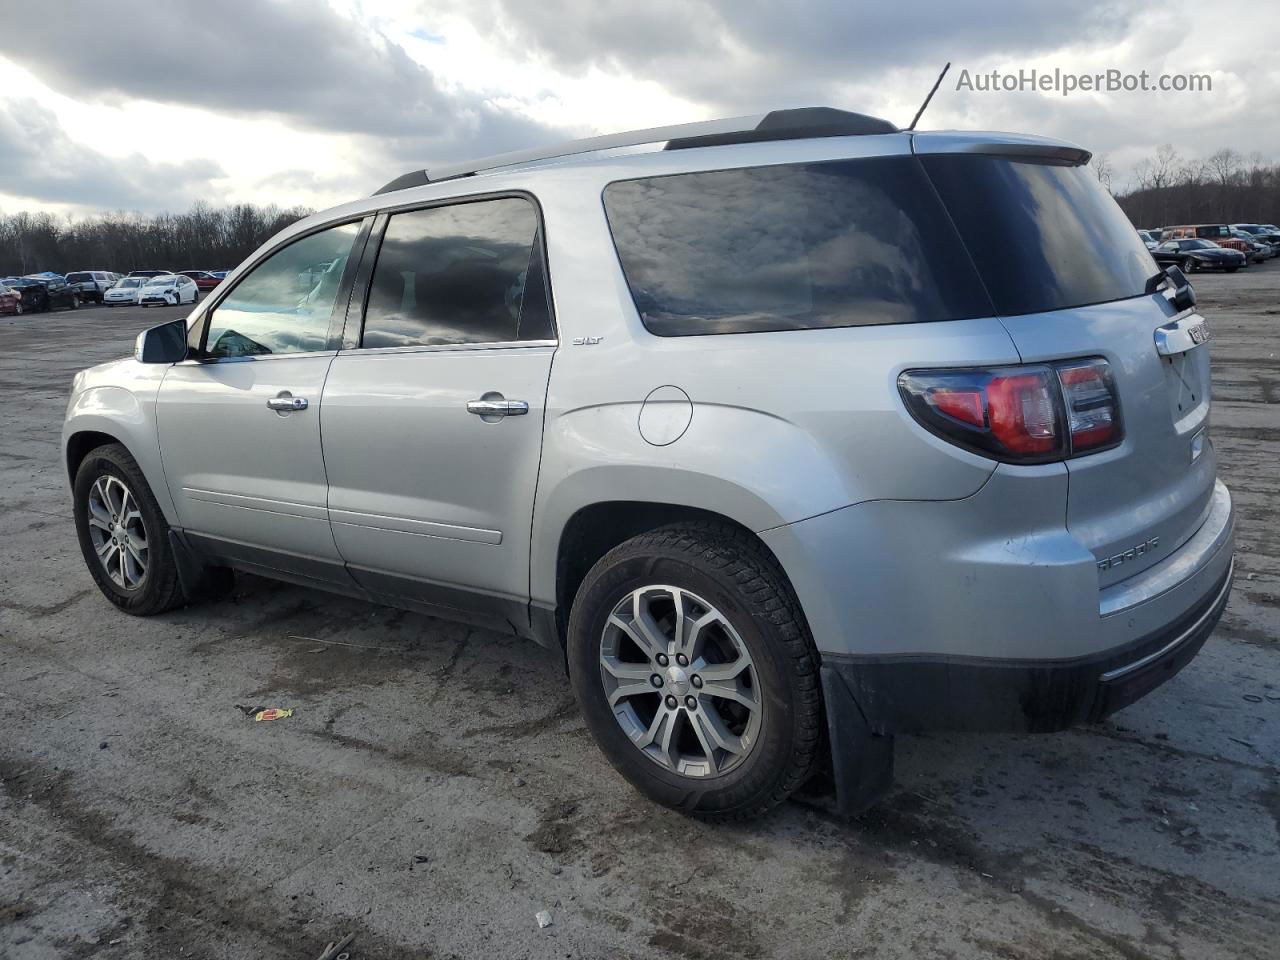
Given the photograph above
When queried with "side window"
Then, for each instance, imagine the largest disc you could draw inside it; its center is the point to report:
(465, 273)
(835, 244)
(284, 304)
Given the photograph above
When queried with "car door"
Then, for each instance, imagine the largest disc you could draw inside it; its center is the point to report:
(433, 410)
(239, 423)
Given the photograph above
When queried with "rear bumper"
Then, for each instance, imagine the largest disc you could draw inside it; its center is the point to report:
(906, 695)
(986, 613)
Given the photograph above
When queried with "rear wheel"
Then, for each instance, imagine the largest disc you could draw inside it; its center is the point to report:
(75, 302)
(123, 535)
(17, 308)
(696, 672)
(1188, 265)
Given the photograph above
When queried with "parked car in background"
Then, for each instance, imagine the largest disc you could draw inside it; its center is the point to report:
(1218, 233)
(220, 274)
(126, 290)
(1259, 250)
(1194, 254)
(90, 284)
(40, 292)
(169, 288)
(147, 273)
(1147, 239)
(1264, 232)
(203, 278)
(964, 484)
(10, 300)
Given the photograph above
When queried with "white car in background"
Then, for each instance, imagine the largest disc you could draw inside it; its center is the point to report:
(169, 289)
(126, 290)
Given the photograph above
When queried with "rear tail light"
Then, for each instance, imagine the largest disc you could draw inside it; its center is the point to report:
(1023, 414)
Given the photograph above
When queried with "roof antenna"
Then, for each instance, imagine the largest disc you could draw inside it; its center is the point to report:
(936, 84)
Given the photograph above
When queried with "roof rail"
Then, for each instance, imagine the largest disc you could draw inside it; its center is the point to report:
(797, 124)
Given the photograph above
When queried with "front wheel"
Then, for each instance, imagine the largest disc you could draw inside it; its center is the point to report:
(17, 309)
(696, 672)
(123, 535)
(75, 302)
(1188, 265)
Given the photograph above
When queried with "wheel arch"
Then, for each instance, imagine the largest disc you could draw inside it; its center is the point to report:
(106, 414)
(595, 528)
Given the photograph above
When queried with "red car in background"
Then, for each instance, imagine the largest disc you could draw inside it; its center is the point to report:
(203, 278)
(10, 300)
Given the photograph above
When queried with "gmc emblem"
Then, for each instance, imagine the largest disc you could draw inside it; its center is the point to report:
(1137, 550)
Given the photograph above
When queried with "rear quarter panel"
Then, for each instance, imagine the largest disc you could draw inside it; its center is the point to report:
(783, 426)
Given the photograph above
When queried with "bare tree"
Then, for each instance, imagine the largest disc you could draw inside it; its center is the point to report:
(1102, 169)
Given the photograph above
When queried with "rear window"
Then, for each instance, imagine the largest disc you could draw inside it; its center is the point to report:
(1044, 236)
(79, 277)
(791, 247)
(1213, 232)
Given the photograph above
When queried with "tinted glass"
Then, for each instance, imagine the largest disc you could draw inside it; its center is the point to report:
(454, 274)
(1044, 236)
(284, 304)
(1213, 230)
(78, 277)
(835, 244)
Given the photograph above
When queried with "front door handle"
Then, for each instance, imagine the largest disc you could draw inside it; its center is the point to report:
(286, 402)
(493, 406)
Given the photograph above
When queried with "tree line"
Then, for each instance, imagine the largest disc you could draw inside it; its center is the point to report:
(1225, 187)
(204, 238)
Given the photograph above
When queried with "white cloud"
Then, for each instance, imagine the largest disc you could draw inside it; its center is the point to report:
(281, 101)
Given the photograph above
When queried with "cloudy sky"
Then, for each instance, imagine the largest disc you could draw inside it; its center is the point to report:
(152, 104)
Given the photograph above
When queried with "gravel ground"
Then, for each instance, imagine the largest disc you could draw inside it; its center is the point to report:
(436, 787)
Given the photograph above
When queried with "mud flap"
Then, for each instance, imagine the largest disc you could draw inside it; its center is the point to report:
(861, 761)
(198, 580)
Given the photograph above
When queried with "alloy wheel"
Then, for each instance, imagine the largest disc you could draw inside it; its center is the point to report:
(680, 681)
(118, 532)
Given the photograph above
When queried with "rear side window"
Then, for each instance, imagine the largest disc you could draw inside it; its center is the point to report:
(1044, 236)
(791, 247)
(464, 273)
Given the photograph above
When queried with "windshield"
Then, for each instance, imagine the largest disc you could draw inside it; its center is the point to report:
(1044, 236)
(1199, 245)
(162, 281)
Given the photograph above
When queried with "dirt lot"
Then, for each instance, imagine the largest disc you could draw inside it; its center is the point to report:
(437, 787)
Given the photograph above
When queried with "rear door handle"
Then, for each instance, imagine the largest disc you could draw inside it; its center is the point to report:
(493, 405)
(286, 402)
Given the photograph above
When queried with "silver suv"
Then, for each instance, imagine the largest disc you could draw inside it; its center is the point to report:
(793, 433)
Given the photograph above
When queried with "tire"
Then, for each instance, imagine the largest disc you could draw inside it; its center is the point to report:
(75, 302)
(726, 571)
(1188, 265)
(17, 309)
(195, 298)
(157, 589)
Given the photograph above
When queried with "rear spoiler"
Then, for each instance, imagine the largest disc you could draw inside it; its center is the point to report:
(1016, 145)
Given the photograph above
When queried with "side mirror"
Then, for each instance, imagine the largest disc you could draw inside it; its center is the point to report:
(166, 343)
(1184, 295)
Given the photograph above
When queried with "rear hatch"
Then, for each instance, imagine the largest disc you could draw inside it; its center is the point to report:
(1068, 277)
